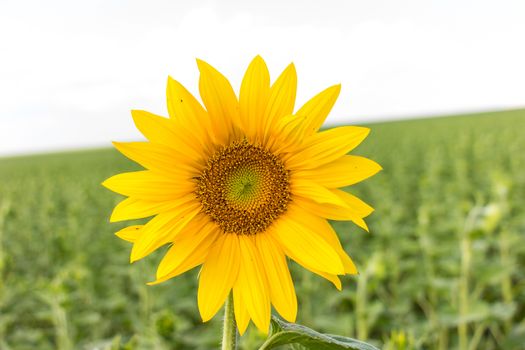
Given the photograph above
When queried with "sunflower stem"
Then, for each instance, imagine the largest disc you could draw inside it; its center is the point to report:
(229, 330)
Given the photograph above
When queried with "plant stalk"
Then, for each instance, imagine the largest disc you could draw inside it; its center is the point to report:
(229, 330)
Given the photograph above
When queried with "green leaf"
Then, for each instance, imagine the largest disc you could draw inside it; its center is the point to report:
(289, 333)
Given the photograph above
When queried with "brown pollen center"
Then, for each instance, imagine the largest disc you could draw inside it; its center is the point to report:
(243, 188)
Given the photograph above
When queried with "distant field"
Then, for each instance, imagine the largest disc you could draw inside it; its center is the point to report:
(443, 266)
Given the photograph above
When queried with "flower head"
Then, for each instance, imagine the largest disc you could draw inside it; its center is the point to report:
(239, 185)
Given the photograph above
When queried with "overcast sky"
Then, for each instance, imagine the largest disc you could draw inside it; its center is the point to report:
(70, 71)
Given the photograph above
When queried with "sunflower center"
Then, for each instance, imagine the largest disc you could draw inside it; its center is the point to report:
(243, 188)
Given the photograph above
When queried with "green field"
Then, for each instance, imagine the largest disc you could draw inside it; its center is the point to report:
(442, 268)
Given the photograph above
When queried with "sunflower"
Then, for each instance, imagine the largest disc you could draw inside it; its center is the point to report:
(239, 185)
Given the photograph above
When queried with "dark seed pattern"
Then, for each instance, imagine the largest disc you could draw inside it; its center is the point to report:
(250, 215)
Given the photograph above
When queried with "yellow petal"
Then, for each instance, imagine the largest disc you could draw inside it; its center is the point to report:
(199, 232)
(130, 233)
(313, 191)
(242, 317)
(324, 231)
(327, 146)
(331, 212)
(253, 284)
(163, 229)
(306, 247)
(218, 275)
(316, 109)
(187, 112)
(348, 263)
(194, 258)
(282, 291)
(133, 208)
(163, 131)
(161, 158)
(253, 97)
(320, 226)
(220, 101)
(336, 281)
(344, 171)
(148, 185)
(287, 137)
(281, 100)
(356, 205)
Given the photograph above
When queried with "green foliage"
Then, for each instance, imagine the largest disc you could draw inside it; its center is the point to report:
(442, 267)
(302, 337)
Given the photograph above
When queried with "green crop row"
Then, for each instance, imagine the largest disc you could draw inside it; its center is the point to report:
(442, 266)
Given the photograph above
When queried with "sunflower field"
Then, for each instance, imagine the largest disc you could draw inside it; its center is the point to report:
(443, 266)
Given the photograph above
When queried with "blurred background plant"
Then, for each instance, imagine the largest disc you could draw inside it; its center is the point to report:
(442, 266)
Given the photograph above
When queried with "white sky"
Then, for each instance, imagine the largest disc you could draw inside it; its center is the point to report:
(70, 71)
